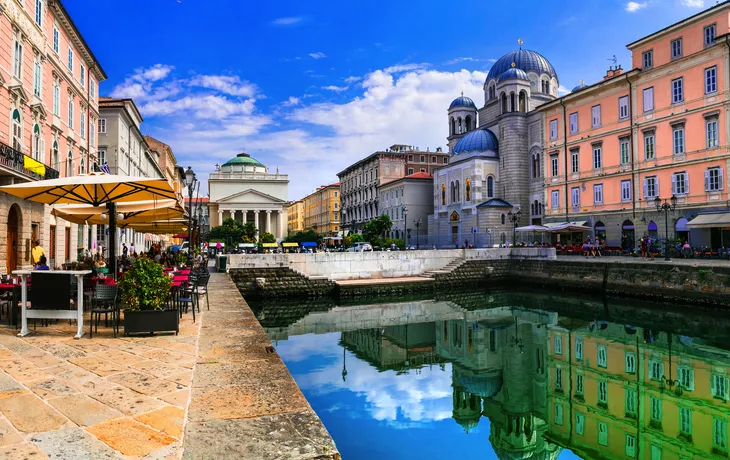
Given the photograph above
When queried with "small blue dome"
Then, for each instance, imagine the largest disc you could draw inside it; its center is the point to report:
(485, 386)
(513, 74)
(578, 88)
(525, 60)
(462, 101)
(479, 140)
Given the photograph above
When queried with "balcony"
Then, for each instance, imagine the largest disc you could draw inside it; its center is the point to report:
(14, 162)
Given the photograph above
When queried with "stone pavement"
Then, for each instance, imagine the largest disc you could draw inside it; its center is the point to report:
(709, 263)
(94, 398)
(244, 403)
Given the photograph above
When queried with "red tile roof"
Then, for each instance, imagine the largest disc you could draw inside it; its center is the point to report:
(420, 175)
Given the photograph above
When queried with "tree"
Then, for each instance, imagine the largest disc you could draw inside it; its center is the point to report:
(230, 232)
(267, 238)
(249, 232)
(377, 227)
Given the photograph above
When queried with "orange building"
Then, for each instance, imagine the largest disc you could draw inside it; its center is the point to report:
(658, 130)
(322, 210)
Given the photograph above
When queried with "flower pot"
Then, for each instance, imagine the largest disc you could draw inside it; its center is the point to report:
(151, 321)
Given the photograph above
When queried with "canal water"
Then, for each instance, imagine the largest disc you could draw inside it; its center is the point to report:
(509, 376)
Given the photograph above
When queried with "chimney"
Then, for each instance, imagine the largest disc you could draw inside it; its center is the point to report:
(613, 72)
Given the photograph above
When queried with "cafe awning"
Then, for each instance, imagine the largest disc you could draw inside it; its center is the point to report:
(290, 245)
(309, 244)
(712, 220)
(269, 245)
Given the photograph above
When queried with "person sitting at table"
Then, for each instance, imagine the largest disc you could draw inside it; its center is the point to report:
(37, 252)
(100, 262)
(42, 264)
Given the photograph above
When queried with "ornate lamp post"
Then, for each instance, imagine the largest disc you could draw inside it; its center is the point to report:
(669, 382)
(514, 217)
(666, 207)
(515, 340)
(417, 223)
(405, 224)
(190, 181)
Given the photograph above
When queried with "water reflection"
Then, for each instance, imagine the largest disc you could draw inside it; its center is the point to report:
(539, 373)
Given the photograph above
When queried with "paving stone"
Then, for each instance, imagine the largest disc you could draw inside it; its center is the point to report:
(62, 351)
(22, 370)
(25, 451)
(125, 400)
(183, 378)
(119, 357)
(130, 437)
(159, 369)
(87, 345)
(78, 378)
(7, 383)
(145, 383)
(8, 434)
(170, 357)
(28, 413)
(73, 443)
(7, 354)
(40, 358)
(177, 398)
(97, 365)
(257, 371)
(83, 410)
(168, 420)
(51, 388)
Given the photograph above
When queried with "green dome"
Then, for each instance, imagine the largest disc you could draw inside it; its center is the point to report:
(243, 159)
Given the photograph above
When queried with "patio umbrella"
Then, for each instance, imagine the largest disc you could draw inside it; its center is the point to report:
(160, 227)
(532, 228)
(569, 227)
(95, 189)
(140, 211)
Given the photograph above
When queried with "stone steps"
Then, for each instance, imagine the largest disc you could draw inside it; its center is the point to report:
(449, 268)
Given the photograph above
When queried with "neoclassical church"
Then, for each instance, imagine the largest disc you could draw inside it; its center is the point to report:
(495, 165)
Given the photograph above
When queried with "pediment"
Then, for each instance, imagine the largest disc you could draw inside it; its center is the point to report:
(251, 196)
(16, 89)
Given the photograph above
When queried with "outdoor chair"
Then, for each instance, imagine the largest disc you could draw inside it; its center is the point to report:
(104, 302)
(186, 297)
(201, 289)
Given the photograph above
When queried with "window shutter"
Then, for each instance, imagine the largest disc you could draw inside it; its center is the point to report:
(707, 181)
(721, 179)
(686, 183)
(713, 387)
(646, 188)
(656, 186)
(674, 184)
(43, 151)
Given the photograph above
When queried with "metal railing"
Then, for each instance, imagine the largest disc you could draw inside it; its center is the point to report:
(15, 161)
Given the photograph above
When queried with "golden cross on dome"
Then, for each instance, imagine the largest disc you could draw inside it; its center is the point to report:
(514, 65)
(520, 41)
(582, 81)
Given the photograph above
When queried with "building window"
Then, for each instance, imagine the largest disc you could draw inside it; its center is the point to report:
(579, 349)
(598, 194)
(82, 166)
(677, 90)
(574, 161)
(656, 410)
(92, 132)
(92, 87)
(656, 370)
(490, 187)
(685, 421)
(410, 171)
(603, 392)
(630, 446)
(625, 190)
(37, 78)
(709, 34)
(678, 139)
(70, 60)
(559, 379)
(679, 183)
(575, 196)
(554, 165)
(602, 434)
(713, 180)
(580, 423)
(18, 63)
(39, 12)
(686, 377)
(446, 160)
(597, 160)
(579, 384)
(630, 403)
(70, 113)
(648, 99)
(711, 80)
(712, 139)
(649, 146)
(630, 359)
(56, 39)
(656, 453)
(647, 59)
(102, 125)
(102, 156)
(719, 434)
(558, 414)
(82, 76)
(37, 144)
(56, 99)
(553, 129)
(423, 158)
(558, 345)
(596, 116)
(602, 356)
(676, 47)
(410, 157)
(624, 148)
(555, 199)
(623, 107)
(573, 122)
(17, 131)
(82, 128)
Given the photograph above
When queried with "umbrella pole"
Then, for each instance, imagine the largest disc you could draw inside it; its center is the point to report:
(112, 207)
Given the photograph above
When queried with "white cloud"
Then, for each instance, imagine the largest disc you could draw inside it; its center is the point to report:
(633, 7)
(286, 21)
(291, 102)
(231, 85)
(317, 55)
(210, 106)
(693, 3)
(336, 89)
(404, 68)
(562, 90)
(461, 59)
(353, 79)
(139, 84)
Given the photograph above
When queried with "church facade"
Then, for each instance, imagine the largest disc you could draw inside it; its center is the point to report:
(493, 181)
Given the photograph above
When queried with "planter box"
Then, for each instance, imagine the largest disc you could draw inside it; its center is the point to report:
(137, 322)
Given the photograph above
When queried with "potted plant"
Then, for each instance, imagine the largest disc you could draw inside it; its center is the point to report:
(145, 289)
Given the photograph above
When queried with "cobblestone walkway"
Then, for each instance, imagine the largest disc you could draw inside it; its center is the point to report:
(100, 398)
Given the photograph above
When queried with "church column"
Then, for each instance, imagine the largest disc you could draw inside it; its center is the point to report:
(256, 219)
(268, 221)
(281, 216)
(220, 216)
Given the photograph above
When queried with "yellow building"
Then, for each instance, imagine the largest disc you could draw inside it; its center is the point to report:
(322, 210)
(296, 216)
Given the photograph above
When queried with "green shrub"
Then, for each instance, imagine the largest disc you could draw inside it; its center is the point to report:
(145, 286)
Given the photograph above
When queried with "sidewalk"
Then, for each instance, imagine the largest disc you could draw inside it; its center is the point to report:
(657, 261)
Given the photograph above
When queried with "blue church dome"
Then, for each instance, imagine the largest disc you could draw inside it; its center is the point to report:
(525, 60)
(514, 74)
(462, 101)
(579, 87)
(479, 140)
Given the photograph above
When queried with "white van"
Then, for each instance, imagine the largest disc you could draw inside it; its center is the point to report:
(360, 247)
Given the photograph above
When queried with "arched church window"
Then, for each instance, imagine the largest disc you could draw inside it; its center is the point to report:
(461, 129)
(458, 192)
(490, 187)
(537, 208)
(453, 126)
(443, 194)
(504, 103)
(468, 123)
(453, 192)
(468, 190)
(503, 220)
(512, 102)
(523, 101)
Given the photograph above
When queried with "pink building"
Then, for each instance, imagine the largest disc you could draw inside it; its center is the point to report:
(49, 78)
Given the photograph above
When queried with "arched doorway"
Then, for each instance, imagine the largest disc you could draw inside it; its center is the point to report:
(13, 241)
(600, 231)
(628, 237)
(681, 230)
(653, 230)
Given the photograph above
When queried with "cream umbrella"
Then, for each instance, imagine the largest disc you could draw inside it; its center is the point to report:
(95, 189)
(142, 211)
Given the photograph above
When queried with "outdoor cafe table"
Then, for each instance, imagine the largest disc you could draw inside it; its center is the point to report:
(78, 315)
(12, 313)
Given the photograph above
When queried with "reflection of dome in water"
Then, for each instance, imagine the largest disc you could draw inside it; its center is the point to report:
(468, 423)
(483, 385)
(549, 452)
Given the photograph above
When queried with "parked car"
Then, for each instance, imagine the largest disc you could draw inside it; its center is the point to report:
(361, 247)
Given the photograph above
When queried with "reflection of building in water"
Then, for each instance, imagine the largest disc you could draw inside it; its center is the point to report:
(618, 391)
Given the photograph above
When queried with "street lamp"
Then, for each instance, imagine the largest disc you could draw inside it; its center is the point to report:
(405, 222)
(516, 341)
(190, 182)
(417, 223)
(666, 207)
(669, 382)
(514, 217)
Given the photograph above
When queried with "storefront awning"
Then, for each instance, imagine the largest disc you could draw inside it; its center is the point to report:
(714, 220)
(269, 245)
(34, 166)
(290, 245)
(581, 223)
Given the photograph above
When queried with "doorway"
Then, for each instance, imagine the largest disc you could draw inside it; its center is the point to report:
(12, 244)
(455, 235)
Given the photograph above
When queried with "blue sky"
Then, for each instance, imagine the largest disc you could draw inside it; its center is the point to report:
(311, 87)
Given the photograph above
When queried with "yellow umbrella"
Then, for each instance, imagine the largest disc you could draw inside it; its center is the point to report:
(142, 211)
(160, 227)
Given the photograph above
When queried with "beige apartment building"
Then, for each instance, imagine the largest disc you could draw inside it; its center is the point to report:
(295, 217)
(322, 210)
